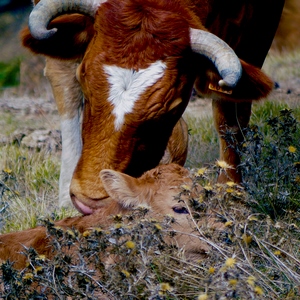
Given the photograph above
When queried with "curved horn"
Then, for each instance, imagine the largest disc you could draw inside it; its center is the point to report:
(46, 10)
(222, 56)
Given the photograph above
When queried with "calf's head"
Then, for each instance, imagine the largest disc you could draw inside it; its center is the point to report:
(136, 76)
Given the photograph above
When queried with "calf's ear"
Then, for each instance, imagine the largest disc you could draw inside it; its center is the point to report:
(121, 187)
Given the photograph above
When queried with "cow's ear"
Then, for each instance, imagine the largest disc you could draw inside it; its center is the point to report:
(121, 187)
(253, 85)
(73, 35)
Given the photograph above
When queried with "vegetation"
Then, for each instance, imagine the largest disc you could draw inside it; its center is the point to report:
(253, 255)
(9, 73)
(28, 187)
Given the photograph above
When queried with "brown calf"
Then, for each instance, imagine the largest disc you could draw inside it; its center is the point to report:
(155, 189)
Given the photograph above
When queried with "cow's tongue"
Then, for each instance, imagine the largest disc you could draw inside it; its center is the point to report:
(82, 208)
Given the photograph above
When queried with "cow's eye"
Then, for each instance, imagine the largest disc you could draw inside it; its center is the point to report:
(180, 210)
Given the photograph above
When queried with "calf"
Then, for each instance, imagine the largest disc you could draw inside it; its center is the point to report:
(155, 189)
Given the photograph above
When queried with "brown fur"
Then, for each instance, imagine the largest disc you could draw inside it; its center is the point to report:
(74, 34)
(134, 33)
(155, 189)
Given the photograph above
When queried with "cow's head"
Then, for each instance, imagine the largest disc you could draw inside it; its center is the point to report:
(136, 75)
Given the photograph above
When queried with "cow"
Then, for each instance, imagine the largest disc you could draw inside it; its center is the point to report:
(156, 190)
(135, 63)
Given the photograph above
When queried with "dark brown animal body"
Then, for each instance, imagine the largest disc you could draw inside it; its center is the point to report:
(135, 63)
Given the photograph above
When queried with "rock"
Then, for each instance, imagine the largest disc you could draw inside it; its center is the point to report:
(49, 140)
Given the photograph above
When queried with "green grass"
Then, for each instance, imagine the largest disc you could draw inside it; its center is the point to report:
(203, 142)
(10, 73)
(30, 181)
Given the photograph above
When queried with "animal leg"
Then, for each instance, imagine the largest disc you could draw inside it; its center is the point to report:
(233, 117)
(69, 100)
(176, 151)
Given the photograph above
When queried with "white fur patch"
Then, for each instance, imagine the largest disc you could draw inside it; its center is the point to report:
(71, 151)
(127, 85)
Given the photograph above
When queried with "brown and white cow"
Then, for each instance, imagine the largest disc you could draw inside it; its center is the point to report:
(155, 189)
(135, 62)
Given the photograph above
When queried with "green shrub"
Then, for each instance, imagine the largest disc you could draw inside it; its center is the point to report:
(271, 164)
(10, 73)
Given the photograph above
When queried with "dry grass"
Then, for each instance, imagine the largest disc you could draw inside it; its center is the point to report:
(250, 257)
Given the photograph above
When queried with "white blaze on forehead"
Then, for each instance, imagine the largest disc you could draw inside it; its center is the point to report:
(127, 85)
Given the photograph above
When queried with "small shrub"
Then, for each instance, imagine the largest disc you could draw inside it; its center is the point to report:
(271, 164)
(10, 73)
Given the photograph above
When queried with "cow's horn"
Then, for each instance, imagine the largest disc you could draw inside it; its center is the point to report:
(222, 56)
(46, 10)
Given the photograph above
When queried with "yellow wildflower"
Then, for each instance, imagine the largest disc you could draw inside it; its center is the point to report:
(201, 171)
(118, 218)
(130, 244)
(208, 187)
(7, 170)
(251, 280)
(38, 269)
(228, 223)
(41, 257)
(233, 282)
(230, 262)
(211, 270)
(86, 233)
(247, 238)
(253, 218)
(292, 149)
(164, 286)
(230, 183)
(28, 276)
(158, 226)
(229, 190)
(126, 273)
(202, 297)
(70, 233)
(277, 252)
(258, 290)
(118, 225)
(223, 164)
(185, 187)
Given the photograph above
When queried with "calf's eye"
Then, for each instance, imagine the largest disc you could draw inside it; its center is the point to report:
(180, 210)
